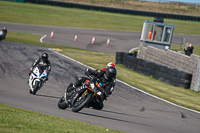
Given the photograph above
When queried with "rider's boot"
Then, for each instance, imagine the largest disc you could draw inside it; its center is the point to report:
(46, 80)
(70, 93)
(70, 90)
(29, 76)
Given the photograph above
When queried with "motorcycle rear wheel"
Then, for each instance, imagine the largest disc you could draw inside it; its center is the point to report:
(62, 104)
(82, 103)
(98, 106)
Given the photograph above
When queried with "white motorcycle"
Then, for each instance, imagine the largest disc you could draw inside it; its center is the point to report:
(2, 35)
(37, 79)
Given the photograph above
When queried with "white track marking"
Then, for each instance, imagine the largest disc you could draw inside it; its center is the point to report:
(41, 39)
(133, 49)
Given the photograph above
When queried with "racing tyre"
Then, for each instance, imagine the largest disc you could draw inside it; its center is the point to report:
(98, 106)
(35, 88)
(30, 91)
(119, 57)
(62, 104)
(81, 102)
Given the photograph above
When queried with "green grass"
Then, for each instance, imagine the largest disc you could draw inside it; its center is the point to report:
(68, 17)
(195, 51)
(14, 120)
(171, 7)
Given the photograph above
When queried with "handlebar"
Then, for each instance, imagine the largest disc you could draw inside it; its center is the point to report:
(90, 76)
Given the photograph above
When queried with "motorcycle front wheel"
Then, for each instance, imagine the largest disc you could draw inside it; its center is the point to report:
(35, 89)
(81, 102)
(62, 104)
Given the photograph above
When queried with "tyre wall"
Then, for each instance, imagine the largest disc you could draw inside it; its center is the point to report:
(115, 10)
(162, 73)
(173, 60)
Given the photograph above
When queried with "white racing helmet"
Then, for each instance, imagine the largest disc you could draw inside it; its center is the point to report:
(110, 64)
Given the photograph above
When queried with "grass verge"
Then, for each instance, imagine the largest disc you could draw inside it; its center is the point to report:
(158, 6)
(69, 17)
(22, 121)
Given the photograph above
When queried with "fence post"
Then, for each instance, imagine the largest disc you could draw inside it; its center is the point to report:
(182, 45)
(196, 85)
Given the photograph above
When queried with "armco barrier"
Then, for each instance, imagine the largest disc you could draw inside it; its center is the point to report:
(115, 10)
(119, 57)
(157, 71)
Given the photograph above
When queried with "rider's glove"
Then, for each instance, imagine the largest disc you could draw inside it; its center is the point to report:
(87, 69)
(104, 97)
(29, 73)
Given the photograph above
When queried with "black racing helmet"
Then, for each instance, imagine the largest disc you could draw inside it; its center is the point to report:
(111, 73)
(44, 57)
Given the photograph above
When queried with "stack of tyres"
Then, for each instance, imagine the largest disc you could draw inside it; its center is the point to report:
(119, 57)
(184, 79)
(162, 73)
(175, 77)
(140, 66)
(129, 62)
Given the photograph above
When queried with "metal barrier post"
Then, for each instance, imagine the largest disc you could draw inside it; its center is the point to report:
(196, 85)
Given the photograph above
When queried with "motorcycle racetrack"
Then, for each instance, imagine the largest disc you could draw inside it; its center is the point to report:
(127, 109)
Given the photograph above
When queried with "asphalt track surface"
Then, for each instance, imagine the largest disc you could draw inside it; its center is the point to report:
(127, 109)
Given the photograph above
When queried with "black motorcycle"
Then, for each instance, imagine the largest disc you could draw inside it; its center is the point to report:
(90, 94)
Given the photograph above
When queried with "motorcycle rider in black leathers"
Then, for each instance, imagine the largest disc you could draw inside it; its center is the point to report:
(4, 30)
(107, 77)
(43, 60)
